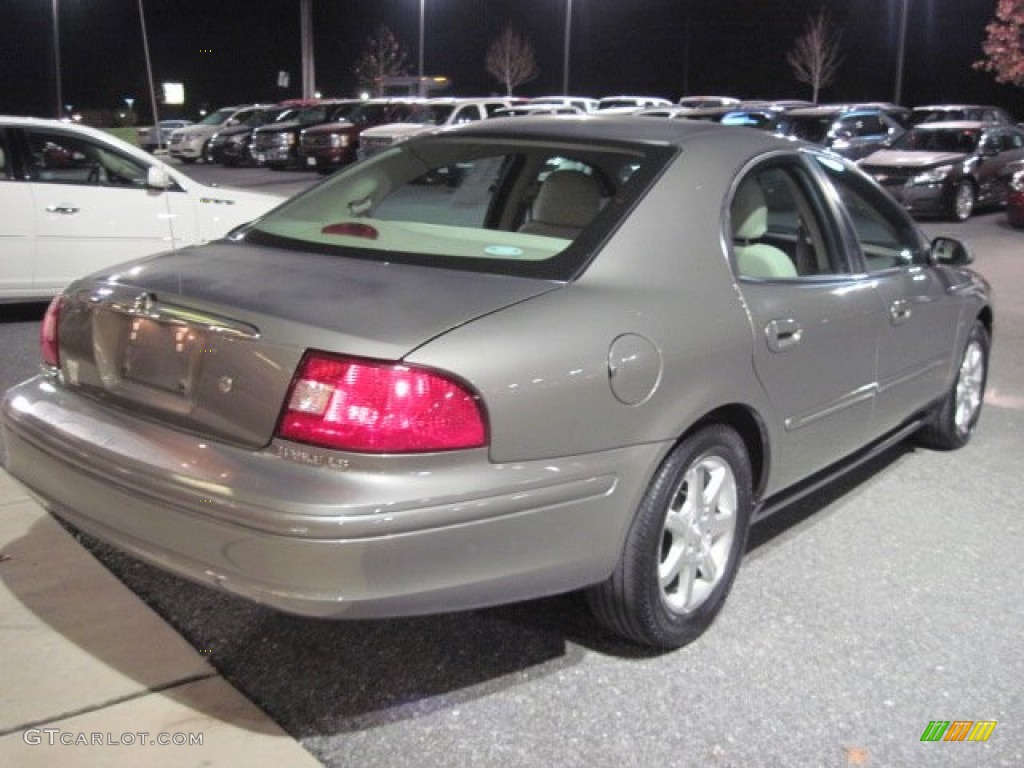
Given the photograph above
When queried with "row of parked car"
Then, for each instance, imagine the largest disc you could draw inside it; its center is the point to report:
(942, 160)
(936, 160)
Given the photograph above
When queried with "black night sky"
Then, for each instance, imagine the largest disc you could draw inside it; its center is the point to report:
(226, 51)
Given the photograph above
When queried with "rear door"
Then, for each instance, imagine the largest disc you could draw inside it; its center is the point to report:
(814, 322)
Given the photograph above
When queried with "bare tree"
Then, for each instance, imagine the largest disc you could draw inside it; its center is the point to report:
(815, 59)
(383, 57)
(1004, 44)
(511, 61)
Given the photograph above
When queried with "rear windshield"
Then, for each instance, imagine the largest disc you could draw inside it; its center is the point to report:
(813, 129)
(506, 206)
(939, 140)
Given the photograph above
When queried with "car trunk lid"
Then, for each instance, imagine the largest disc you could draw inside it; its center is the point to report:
(208, 339)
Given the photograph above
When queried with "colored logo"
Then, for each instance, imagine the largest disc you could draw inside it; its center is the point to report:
(958, 730)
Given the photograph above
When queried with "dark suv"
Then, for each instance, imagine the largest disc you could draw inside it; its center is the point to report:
(852, 131)
(277, 145)
(329, 146)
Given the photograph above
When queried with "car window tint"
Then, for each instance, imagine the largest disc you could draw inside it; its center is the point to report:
(777, 228)
(887, 238)
(61, 159)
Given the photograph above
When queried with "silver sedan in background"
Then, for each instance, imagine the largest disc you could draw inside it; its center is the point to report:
(508, 360)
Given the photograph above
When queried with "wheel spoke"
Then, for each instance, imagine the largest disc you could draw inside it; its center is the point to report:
(721, 523)
(709, 567)
(968, 388)
(696, 534)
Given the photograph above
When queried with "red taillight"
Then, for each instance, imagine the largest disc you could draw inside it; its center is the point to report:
(378, 407)
(48, 334)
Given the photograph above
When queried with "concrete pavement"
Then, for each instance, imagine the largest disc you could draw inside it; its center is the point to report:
(93, 677)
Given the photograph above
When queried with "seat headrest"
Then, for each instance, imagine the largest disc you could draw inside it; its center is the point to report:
(567, 199)
(749, 211)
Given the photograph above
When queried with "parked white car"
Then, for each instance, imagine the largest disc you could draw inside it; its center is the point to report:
(75, 199)
(188, 144)
(152, 138)
(583, 103)
(625, 105)
(431, 115)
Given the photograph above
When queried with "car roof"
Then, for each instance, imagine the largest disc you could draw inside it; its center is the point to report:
(959, 125)
(470, 100)
(955, 106)
(610, 128)
(85, 130)
(837, 110)
(49, 122)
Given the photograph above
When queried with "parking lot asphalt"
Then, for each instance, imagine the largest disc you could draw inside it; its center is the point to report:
(863, 613)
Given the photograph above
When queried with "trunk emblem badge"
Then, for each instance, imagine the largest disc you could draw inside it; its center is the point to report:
(225, 383)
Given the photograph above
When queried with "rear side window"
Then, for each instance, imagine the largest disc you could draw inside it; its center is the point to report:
(778, 230)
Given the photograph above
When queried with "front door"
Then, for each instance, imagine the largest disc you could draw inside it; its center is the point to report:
(91, 207)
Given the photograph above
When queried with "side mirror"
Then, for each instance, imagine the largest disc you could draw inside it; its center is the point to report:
(951, 252)
(158, 178)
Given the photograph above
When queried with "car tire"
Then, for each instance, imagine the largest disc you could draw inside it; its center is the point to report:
(962, 202)
(953, 420)
(684, 546)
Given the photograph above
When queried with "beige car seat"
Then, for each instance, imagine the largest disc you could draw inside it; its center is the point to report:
(749, 215)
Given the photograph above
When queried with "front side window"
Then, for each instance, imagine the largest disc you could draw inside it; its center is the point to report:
(466, 114)
(887, 237)
(60, 158)
(505, 206)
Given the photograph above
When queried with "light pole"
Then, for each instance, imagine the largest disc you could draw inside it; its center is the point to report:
(900, 53)
(565, 47)
(56, 58)
(149, 75)
(421, 43)
(306, 33)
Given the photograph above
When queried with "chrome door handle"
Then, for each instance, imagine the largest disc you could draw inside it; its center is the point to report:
(899, 311)
(783, 333)
(67, 210)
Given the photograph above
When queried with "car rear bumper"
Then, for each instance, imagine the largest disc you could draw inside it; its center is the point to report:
(325, 534)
